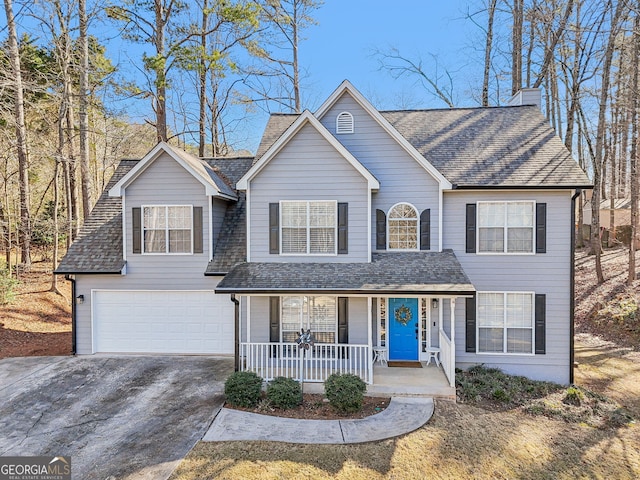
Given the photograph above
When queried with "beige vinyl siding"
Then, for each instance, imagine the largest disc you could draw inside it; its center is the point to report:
(308, 168)
(544, 273)
(401, 178)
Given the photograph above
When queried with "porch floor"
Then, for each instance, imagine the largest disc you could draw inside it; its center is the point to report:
(428, 381)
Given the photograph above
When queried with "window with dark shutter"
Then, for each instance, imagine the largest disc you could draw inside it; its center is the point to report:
(136, 220)
(540, 323)
(274, 228)
(343, 228)
(470, 324)
(381, 230)
(471, 229)
(425, 229)
(197, 230)
(541, 228)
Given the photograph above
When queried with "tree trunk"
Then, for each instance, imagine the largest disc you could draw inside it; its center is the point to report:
(161, 80)
(202, 81)
(85, 172)
(516, 46)
(21, 137)
(634, 158)
(491, 10)
(56, 229)
(296, 66)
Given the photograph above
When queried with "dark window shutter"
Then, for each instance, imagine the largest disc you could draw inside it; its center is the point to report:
(136, 221)
(343, 228)
(540, 322)
(541, 228)
(470, 324)
(197, 230)
(343, 320)
(274, 319)
(274, 228)
(471, 228)
(425, 229)
(381, 230)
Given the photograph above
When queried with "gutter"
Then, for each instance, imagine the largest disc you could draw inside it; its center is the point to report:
(572, 287)
(521, 187)
(73, 312)
(236, 326)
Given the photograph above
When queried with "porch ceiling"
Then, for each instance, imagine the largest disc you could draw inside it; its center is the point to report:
(410, 273)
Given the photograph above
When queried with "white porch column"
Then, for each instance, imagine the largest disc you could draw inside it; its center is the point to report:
(370, 340)
(452, 367)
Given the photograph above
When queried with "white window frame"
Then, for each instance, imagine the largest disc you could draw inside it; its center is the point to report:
(309, 228)
(504, 324)
(417, 249)
(340, 126)
(305, 317)
(506, 228)
(167, 229)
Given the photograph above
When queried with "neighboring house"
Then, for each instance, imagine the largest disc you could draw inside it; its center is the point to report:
(399, 233)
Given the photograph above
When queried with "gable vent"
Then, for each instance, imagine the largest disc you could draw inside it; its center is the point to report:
(344, 123)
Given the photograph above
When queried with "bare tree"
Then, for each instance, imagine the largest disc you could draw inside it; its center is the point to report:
(635, 185)
(21, 136)
(84, 110)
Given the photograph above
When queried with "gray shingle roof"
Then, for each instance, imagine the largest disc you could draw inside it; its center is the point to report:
(401, 272)
(98, 248)
(478, 147)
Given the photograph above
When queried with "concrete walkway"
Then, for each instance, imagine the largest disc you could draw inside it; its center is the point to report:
(403, 415)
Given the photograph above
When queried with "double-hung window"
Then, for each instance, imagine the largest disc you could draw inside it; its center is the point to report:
(505, 322)
(167, 229)
(506, 227)
(319, 314)
(308, 228)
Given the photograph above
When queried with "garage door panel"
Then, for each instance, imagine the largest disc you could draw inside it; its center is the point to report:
(162, 322)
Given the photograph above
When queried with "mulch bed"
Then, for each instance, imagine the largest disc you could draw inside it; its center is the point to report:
(315, 407)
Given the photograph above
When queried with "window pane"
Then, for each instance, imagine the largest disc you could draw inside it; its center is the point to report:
(322, 240)
(403, 210)
(294, 240)
(179, 241)
(490, 340)
(322, 214)
(155, 241)
(323, 319)
(519, 310)
(520, 240)
(403, 227)
(519, 340)
(291, 317)
(520, 214)
(491, 239)
(491, 214)
(490, 309)
(155, 217)
(294, 214)
(179, 217)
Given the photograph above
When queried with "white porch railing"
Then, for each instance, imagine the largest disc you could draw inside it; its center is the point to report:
(447, 357)
(270, 360)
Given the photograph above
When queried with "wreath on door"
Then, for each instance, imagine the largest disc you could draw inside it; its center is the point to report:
(403, 315)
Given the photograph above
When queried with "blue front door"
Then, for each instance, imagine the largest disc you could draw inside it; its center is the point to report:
(403, 328)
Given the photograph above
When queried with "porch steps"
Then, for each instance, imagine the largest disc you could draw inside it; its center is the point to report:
(428, 381)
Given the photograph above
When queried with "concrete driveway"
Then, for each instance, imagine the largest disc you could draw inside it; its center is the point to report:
(116, 416)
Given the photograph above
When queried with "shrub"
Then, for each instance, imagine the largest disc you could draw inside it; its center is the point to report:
(7, 287)
(284, 392)
(574, 396)
(345, 392)
(243, 389)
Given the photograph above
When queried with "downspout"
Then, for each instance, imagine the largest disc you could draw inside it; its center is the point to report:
(73, 312)
(236, 331)
(572, 288)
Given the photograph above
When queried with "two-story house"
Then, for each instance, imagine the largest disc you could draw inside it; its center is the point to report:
(399, 236)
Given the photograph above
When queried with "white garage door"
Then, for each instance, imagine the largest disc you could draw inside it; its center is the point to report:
(162, 322)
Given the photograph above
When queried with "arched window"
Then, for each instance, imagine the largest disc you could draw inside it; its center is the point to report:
(402, 224)
(344, 123)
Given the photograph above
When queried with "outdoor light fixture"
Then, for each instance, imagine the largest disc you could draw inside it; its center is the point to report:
(79, 299)
(434, 303)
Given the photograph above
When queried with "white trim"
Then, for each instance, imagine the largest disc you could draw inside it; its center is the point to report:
(142, 230)
(306, 118)
(247, 209)
(346, 86)
(504, 328)
(209, 228)
(248, 315)
(417, 249)
(440, 219)
(124, 227)
(308, 229)
(369, 337)
(369, 228)
(210, 187)
(506, 229)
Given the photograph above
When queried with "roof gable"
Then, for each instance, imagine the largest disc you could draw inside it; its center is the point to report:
(347, 87)
(214, 185)
(306, 118)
